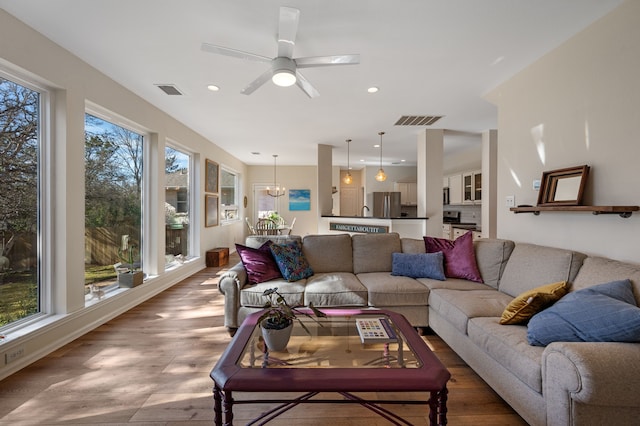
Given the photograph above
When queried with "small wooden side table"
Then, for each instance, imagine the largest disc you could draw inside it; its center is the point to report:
(218, 256)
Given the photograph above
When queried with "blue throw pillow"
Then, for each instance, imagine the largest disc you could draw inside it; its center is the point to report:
(418, 265)
(292, 263)
(602, 313)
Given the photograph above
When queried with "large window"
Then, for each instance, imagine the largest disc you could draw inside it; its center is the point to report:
(177, 207)
(20, 146)
(229, 210)
(113, 202)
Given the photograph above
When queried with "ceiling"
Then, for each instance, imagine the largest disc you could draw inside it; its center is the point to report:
(427, 57)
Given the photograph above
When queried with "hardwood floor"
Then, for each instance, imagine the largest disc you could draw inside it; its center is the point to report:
(150, 366)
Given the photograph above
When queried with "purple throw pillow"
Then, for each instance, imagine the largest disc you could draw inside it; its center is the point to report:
(259, 263)
(459, 256)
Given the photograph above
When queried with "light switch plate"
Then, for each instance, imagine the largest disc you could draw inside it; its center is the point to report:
(510, 201)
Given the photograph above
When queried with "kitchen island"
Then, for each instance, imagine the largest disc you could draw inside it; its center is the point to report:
(407, 227)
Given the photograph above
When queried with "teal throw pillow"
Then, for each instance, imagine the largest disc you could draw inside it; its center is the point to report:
(292, 263)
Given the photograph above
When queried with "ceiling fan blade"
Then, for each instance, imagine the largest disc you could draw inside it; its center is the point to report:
(323, 61)
(255, 84)
(306, 87)
(288, 28)
(226, 51)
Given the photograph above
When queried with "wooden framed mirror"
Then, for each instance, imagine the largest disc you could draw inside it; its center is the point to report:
(563, 187)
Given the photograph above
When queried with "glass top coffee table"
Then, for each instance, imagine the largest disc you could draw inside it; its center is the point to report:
(331, 358)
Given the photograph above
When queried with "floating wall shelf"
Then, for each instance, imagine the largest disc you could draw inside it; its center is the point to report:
(623, 211)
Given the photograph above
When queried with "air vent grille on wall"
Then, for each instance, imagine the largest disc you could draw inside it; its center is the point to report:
(417, 120)
(169, 89)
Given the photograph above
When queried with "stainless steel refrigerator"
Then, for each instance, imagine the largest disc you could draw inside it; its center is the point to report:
(386, 204)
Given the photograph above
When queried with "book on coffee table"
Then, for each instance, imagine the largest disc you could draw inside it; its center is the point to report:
(375, 330)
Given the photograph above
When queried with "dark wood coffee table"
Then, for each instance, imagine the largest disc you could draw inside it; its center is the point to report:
(332, 359)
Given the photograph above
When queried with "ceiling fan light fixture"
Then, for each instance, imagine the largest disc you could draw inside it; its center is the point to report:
(284, 72)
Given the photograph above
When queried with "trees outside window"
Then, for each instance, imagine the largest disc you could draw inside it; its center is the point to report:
(177, 205)
(113, 199)
(20, 123)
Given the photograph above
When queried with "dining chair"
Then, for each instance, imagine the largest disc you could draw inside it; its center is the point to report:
(252, 230)
(266, 227)
(293, 222)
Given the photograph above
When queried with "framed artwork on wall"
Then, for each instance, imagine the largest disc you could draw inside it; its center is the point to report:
(210, 210)
(299, 199)
(211, 176)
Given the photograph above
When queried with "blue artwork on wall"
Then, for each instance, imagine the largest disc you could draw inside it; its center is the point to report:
(299, 199)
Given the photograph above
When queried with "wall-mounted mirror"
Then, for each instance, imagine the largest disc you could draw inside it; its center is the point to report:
(563, 187)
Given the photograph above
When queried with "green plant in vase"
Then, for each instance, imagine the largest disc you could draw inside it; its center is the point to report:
(128, 253)
(278, 317)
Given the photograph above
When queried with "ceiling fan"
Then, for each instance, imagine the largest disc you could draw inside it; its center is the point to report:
(284, 68)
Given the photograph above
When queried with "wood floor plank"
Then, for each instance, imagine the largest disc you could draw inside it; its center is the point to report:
(150, 366)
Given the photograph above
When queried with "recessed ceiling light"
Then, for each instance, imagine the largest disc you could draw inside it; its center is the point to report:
(213, 87)
(402, 161)
(255, 153)
(362, 160)
(376, 146)
(372, 89)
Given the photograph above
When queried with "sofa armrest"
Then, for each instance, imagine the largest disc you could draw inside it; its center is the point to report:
(605, 376)
(230, 284)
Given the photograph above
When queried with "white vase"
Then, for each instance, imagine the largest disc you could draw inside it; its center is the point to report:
(277, 340)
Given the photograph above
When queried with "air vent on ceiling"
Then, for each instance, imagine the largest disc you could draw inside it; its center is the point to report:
(417, 120)
(169, 89)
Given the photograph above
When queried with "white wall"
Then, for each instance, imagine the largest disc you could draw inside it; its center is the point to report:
(26, 52)
(579, 104)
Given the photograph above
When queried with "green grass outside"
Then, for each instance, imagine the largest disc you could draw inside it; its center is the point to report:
(19, 291)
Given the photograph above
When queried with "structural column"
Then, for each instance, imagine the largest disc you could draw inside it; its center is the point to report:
(489, 183)
(325, 166)
(430, 156)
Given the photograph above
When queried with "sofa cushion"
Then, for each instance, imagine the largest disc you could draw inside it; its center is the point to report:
(454, 284)
(458, 307)
(372, 252)
(459, 256)
(418, 265)
(509, 347)
(529, 303)
(412, 245)
(385, 289)
(293, 293)
(597, 270)
(491, 257)
(291, 261)
(531, 266)
(602, 313)
(259, 263)
(328, 253)
(334, 289)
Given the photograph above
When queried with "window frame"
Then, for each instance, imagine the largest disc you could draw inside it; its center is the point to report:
(230, 207)
(192, 199)
(44, 190)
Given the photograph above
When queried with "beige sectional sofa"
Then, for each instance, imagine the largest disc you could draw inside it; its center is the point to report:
(564, 383)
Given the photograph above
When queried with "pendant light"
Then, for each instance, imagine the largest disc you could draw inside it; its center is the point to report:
(347, 178)
(381, 176)
(277, 191)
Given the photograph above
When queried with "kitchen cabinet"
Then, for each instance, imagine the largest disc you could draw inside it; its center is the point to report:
(472, 187)
(458, 232)
(408, 193)
(446, 231)
(455, 189)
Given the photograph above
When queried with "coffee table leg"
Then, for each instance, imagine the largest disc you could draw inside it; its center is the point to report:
(438, 408)
(227, 405)
(217, 405)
